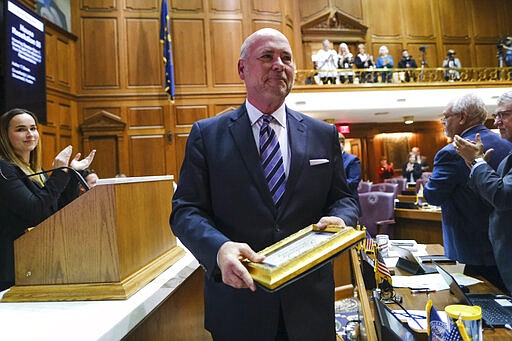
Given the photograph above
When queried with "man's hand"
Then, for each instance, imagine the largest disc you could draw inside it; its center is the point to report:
(234, 273)
(470, 150)
(326, 221)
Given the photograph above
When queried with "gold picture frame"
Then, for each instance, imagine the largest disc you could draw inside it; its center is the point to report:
(300, 252)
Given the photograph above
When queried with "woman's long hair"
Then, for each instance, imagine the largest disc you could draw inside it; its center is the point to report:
(7, 152)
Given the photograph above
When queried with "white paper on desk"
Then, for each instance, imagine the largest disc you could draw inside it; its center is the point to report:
(417, 250)
(431, 281)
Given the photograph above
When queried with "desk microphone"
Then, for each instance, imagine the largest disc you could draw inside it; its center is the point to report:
(73, 171)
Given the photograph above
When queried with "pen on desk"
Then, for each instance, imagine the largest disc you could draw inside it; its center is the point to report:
(421, 290)
(508, 326)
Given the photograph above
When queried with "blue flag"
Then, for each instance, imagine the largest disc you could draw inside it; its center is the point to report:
(165, 39)
(436, 328)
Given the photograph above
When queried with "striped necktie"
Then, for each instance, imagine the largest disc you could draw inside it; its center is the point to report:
(272, 159)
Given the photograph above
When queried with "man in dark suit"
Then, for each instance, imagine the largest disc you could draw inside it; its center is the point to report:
(224, 211)
(465, 216)
(352, 166)
(494, 186)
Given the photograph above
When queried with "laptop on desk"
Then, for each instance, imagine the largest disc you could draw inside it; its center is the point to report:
(496, 309)
(408, 262)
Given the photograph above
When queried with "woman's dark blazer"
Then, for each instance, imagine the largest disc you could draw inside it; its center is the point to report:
(24, 204)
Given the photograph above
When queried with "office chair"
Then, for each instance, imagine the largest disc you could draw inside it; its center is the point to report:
(385, 187)
(377, 212)
(364, 187)
(401, 181)
(422, 180)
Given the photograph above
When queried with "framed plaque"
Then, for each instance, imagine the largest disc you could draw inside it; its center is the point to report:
(301, 253)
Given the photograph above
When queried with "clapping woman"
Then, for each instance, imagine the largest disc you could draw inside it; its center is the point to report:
(26, 199)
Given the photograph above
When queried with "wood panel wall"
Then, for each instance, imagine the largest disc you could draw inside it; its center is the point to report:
(62, 121)
(115, 63)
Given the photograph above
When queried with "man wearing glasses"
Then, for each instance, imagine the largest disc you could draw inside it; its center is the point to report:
(465, 215)
(495, 187)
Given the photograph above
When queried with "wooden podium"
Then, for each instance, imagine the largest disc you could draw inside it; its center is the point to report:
(105, 245)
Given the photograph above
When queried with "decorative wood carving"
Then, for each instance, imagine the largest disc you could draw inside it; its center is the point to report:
(333, 25)
(102, 121)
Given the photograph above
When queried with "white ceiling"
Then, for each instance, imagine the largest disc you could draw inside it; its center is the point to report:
(383, 105)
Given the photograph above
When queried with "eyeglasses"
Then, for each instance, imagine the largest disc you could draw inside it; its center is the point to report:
(446, 117)
(500, 115)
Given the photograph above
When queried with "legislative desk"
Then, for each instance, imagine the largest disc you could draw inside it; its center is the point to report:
(418, 301)
(422, 225)
(169, 307)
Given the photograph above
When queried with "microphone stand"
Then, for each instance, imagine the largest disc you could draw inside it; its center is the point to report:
(75, 173)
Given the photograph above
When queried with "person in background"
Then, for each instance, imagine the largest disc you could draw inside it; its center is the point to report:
(407, 62)
(494, 186)
(465, 215)
(421, 159)
(90, 177)
(27, 198)
(385, 61)
(452, 63)
(385, 170)
(327, 63)
(345, 62)
(364, 61)
(352, 166)
(411, 169)
(224, 208)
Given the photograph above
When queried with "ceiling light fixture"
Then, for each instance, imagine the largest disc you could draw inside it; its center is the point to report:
(408, 119)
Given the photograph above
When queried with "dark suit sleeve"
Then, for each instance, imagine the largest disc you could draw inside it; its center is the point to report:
(496, 190)
(353, 173)
(448, 172)
(191, 218)
(343, 201)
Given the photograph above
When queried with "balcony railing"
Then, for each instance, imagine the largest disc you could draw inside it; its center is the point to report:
(393, 77)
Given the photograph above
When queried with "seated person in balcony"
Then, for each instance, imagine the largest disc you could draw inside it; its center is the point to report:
(364, 61)
(327, 60)
(407, 62)
(385, 170)
(26, 198)
(452, 63)
(385, 61)
(411, 169)
(346, 62)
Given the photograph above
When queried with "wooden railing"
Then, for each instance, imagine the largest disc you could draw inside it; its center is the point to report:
(421, 76)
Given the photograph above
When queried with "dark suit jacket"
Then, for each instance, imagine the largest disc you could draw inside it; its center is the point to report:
(23, 204)
(222, 195)
(352, 166)
(416, 171)
(465, 217)
(496, 189)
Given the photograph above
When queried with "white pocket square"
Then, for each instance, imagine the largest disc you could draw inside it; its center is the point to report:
(316, 162)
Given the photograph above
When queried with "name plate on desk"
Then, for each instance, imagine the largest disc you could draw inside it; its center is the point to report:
(300, 253)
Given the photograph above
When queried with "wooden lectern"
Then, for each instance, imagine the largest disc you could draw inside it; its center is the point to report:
(105, 245)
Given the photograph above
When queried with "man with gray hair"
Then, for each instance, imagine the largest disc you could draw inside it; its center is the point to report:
(250, 178)
(495, 187)
(465, 217)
